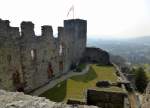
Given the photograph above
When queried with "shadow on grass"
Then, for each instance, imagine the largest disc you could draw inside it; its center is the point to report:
(91, 75)
(57, 93)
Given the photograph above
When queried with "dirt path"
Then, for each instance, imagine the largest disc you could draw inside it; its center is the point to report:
(132, 100)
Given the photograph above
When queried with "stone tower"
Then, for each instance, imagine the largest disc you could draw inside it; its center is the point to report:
(75, 31)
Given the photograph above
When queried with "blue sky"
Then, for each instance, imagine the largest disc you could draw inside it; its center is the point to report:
(106, 18)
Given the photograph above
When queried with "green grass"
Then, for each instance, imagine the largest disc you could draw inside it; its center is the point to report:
(75, 87)
(80, 67)
(57, 93)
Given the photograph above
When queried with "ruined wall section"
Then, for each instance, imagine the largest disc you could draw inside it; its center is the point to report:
(106, 99)
(10, 67)
(64, 54)
(51, 50)
(39, 53)
(28, 61)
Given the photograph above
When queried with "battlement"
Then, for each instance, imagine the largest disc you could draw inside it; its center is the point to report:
(4, 28)
(60, 31)
(27, 29)
(72, 23)
(47, 30)
(73, 30)
(4, 23)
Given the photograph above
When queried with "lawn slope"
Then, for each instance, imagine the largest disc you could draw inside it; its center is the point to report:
(75, 87)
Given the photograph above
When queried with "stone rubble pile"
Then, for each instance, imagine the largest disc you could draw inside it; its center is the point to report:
(20, 100)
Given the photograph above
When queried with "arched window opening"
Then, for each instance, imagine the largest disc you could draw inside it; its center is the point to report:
(60, 49)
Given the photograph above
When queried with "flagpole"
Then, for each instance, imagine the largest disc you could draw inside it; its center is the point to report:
(73, 11)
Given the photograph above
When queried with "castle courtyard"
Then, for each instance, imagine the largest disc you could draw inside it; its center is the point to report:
(76, 87)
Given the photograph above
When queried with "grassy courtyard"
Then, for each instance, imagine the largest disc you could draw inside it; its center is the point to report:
(75, 87)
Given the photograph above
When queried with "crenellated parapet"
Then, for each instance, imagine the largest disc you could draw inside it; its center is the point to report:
(4, 23)
(60, 32)
(4, 28)
(9, 36)
(73, 29)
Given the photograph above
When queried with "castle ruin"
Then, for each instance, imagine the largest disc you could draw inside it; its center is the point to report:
(28, 61)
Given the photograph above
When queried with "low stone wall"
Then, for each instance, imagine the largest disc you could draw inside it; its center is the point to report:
(106, 99)
(75, 101)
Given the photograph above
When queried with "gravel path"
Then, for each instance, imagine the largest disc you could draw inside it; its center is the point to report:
(52, 83)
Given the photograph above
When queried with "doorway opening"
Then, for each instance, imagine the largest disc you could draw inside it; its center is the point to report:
(17, 82)
(50, 71)
(61, 66)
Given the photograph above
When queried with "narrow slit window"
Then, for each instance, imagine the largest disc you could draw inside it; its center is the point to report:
(60, 49)
(33, 54)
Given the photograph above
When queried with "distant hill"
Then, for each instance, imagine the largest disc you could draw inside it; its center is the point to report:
(134, 50)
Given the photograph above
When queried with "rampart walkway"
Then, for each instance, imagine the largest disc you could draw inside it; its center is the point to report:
(52, 83)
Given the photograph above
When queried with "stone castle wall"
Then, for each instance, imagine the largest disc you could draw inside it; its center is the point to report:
(106, 99)
(28, 61)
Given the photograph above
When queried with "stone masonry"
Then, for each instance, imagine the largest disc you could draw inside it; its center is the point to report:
(20, 100)
(106, 99)
(96, 55)
(28, 61)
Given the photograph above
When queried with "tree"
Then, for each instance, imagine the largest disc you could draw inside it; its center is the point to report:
(133, 70)
(141, 79)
